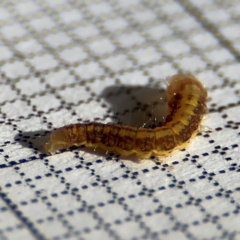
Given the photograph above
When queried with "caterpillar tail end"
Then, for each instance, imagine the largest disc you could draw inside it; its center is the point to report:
(49, 148)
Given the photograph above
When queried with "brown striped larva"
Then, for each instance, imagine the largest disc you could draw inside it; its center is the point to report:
(186, 107)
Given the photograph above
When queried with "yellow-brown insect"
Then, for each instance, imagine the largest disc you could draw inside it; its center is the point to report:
(186, 107)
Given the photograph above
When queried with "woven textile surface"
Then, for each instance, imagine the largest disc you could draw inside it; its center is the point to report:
(76, 61)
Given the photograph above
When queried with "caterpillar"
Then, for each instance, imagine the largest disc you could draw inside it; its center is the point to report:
(186, 98)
